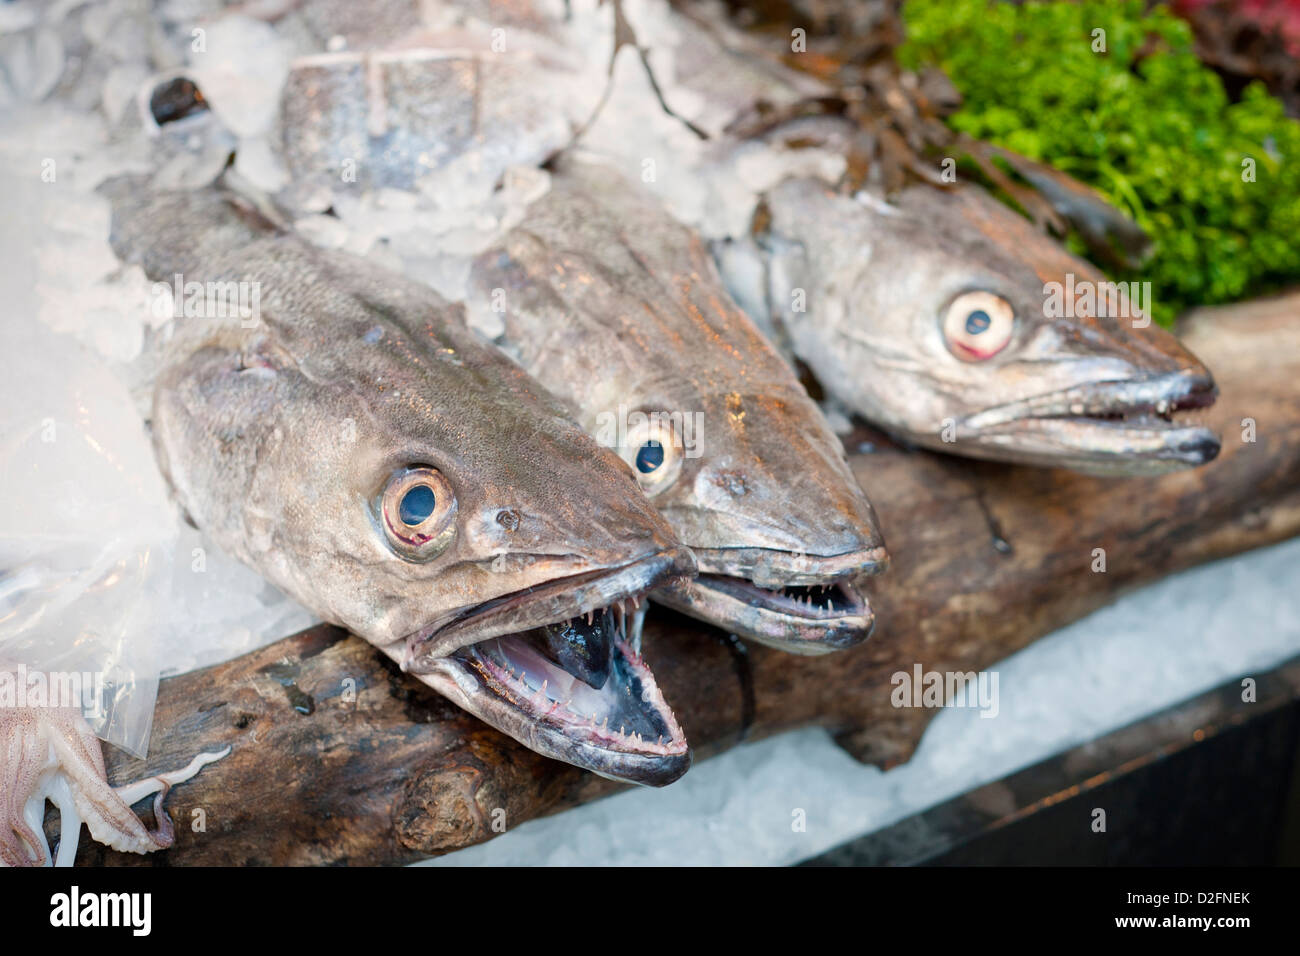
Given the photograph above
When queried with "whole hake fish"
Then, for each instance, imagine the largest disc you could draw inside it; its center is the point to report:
(616, 308)
(349, 437)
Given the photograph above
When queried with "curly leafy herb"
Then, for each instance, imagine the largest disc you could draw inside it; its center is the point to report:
(1215, 183)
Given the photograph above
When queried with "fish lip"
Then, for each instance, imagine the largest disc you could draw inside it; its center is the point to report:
(735, 591)
(1102, 400)
(471, 678)
(1110, 422)
(778, 568)
(559, 599)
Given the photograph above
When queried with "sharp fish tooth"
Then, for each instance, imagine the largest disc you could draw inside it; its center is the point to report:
(634, 638)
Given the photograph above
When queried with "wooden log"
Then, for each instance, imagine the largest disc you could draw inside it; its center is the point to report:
(339, 758)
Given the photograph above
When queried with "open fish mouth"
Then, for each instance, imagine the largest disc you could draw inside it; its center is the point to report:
(1145, 426)
(559, 668)
(577, 691)
(559, 599)
(797, 603)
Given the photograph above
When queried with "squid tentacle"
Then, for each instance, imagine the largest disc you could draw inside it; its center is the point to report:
(51, 754)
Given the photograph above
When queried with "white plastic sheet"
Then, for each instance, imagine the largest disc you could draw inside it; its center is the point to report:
(86, 534)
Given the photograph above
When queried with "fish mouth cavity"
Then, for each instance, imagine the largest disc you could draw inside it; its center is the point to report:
(559, 668)
(560, 599)
(813, 602)
(623, 711)
(611, 719)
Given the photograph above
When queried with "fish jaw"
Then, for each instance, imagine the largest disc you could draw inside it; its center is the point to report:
(627, 733)
(493, 663)
(797, 603)
(1131, 427)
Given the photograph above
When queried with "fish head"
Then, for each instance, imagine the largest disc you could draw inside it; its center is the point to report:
(779, 527)
(406, 482)
(950, 320)
(633, 329)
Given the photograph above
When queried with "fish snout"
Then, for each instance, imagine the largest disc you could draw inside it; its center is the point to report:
(594, 539)
(1197, 387)
(837, 535)
(1137, 344)
(774, 569)
(612, 535)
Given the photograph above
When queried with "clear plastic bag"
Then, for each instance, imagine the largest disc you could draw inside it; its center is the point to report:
(86, 534)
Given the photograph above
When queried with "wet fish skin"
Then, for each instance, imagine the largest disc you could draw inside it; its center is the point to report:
(616, 308)
(279, 437)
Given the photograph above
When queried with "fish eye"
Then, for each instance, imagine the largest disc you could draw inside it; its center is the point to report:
(655, 454)
(978, 325)
(418, 511)
(649, 457)
(416, 505)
